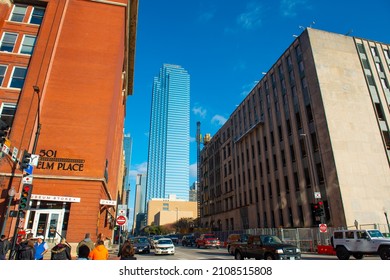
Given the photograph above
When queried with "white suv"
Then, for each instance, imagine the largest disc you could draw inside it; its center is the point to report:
(360, 242)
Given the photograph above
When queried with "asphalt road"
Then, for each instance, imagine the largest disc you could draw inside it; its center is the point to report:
(193, 253)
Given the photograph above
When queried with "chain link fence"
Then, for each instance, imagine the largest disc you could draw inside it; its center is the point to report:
(307, 239)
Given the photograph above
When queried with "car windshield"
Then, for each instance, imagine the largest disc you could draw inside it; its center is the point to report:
(375, 233)
(140, 240)
(157, 237)
(271, 240)
(164, 241)
(210, 236)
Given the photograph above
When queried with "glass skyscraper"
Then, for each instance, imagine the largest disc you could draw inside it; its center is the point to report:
(169, 151)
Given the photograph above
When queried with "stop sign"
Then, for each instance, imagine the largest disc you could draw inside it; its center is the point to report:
(323, 228)
(121, 220)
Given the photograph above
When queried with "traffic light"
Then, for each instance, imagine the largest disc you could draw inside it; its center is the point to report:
(24, 203)
(3, 131)
(320, 209)
(25, 161)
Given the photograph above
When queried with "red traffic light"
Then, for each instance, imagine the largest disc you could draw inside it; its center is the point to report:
(25, 197)
(320, 203)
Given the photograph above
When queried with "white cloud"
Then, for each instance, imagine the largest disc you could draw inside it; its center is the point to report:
(247, 88)
(193, 170)
(289, 7)
(218, 119)
(200, 111)
(252, 17)
(139, 169)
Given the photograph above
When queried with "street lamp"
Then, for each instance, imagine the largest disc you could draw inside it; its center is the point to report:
(177, 219)
(387, 221)
(11, 194)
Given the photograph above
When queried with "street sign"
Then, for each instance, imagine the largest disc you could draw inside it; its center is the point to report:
(121, 220)
(323, 228)
(34, 160)
(29, 170)
(317, 195)
(27, 179)
(5, 149)
(15, 153)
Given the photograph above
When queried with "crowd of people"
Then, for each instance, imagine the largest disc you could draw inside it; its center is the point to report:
(30, 248)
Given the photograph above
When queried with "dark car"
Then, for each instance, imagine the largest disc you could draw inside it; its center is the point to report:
(141, 245)
(188, 240)
(268, 247)
(235, 240)
(174, 237)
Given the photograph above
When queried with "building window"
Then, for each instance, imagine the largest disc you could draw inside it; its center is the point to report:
(18, 76)
(37, 15)
(3, 69)
(165, 207)
(8, 42)
(7, 112)
(18, 13)
(28, 44)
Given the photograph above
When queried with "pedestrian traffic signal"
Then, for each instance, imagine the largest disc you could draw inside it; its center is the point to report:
(24, 202)
(25, 162)
(3, 131)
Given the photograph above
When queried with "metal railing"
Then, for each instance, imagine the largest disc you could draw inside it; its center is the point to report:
(307, 239)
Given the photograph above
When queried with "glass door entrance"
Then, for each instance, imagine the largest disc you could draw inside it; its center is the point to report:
(48, 223)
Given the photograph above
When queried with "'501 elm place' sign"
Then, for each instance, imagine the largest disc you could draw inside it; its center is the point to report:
(48, 160)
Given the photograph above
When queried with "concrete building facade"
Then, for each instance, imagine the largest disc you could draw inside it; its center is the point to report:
(68, 70)
(315, 128)
(169, 211)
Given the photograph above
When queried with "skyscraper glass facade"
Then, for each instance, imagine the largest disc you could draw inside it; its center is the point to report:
(168, 158)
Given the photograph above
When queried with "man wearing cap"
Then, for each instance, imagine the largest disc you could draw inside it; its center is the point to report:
(41, 248)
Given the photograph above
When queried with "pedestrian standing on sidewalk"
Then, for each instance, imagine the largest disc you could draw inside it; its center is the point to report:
(26, 251)
(22, 249)
(100, 252)
(5, 246)
(127, 252)
(41, 248)
(61, 251)
(83, 252)
(87, 241)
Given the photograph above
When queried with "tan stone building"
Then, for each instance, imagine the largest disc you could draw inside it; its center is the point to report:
(315, 128)
(167, 211)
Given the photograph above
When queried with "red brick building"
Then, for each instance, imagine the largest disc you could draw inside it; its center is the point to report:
(66, 69)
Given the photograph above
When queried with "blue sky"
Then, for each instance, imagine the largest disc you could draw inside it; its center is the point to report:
(225, 46)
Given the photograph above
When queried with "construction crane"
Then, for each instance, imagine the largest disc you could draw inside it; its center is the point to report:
(199, 140)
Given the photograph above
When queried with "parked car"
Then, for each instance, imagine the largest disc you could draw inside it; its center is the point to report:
(188, 240)
(141, 245)
(154, 240)
(234, 240)
(359, 243)
(268, 247)
(164, 246)
(174, 237)
(207, 240)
